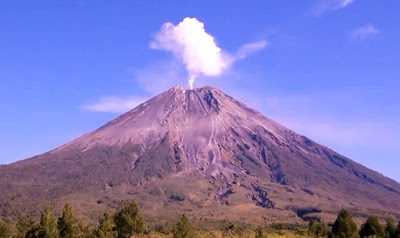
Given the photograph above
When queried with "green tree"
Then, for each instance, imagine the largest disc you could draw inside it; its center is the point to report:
(390, 228)
(260, 233)
(312, 228)
(182, 229)
(4, 229)
(107, 227)
(372, 228)
(397, 232)
(344, 226)
(48, 224)
(88, 232)
(317, 229)
(27, 228)
(67, 223)
(322, 229)
(128, 220)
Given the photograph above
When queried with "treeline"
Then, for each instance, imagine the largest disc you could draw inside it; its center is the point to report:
(344, 227)
(127, 221)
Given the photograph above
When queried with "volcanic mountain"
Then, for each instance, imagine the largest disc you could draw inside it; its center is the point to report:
(199, 152)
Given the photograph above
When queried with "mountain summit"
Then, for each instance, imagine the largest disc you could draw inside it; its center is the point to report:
(203, 153)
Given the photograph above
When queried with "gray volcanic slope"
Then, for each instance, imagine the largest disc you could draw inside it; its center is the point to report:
(203, 153)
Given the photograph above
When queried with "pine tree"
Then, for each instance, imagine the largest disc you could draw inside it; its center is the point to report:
(27, 228)
(107, 227)
(48, 224)
(89, 232)
(128, 220)
(344, 227)
(4, 229)
(372, 228)
(67, 224)
(182, 229)
(390, 228)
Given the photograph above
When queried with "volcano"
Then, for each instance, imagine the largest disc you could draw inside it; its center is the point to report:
(199, 152)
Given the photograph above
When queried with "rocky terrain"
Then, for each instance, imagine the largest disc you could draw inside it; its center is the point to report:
(199, 152)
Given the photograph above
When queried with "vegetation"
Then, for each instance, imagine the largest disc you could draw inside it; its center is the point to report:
(182, 229)
(127, 222)
(27, 227)
(67, 224)
(318, 229)
(260, 233)
(4, 229)
(344, 226)
(397, 233)
(48, 224)
(390, 229)
(371, 228)
(107, 227)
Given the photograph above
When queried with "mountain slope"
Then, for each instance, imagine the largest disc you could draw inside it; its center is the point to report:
(202, 151)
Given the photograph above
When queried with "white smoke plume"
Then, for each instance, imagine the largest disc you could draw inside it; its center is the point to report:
(197, 49)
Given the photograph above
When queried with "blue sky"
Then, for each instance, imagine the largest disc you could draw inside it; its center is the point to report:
(330, 69)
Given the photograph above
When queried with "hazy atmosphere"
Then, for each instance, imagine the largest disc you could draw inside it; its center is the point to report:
(327, 69)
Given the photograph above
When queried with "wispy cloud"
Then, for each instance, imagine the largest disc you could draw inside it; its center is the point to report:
(152, 80)
(344, 3)
(364, 32)
(113, 104)
(323, 6)
(250, 48)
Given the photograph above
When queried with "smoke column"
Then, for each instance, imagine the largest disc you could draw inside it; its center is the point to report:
(191, 81)
(197, 49)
